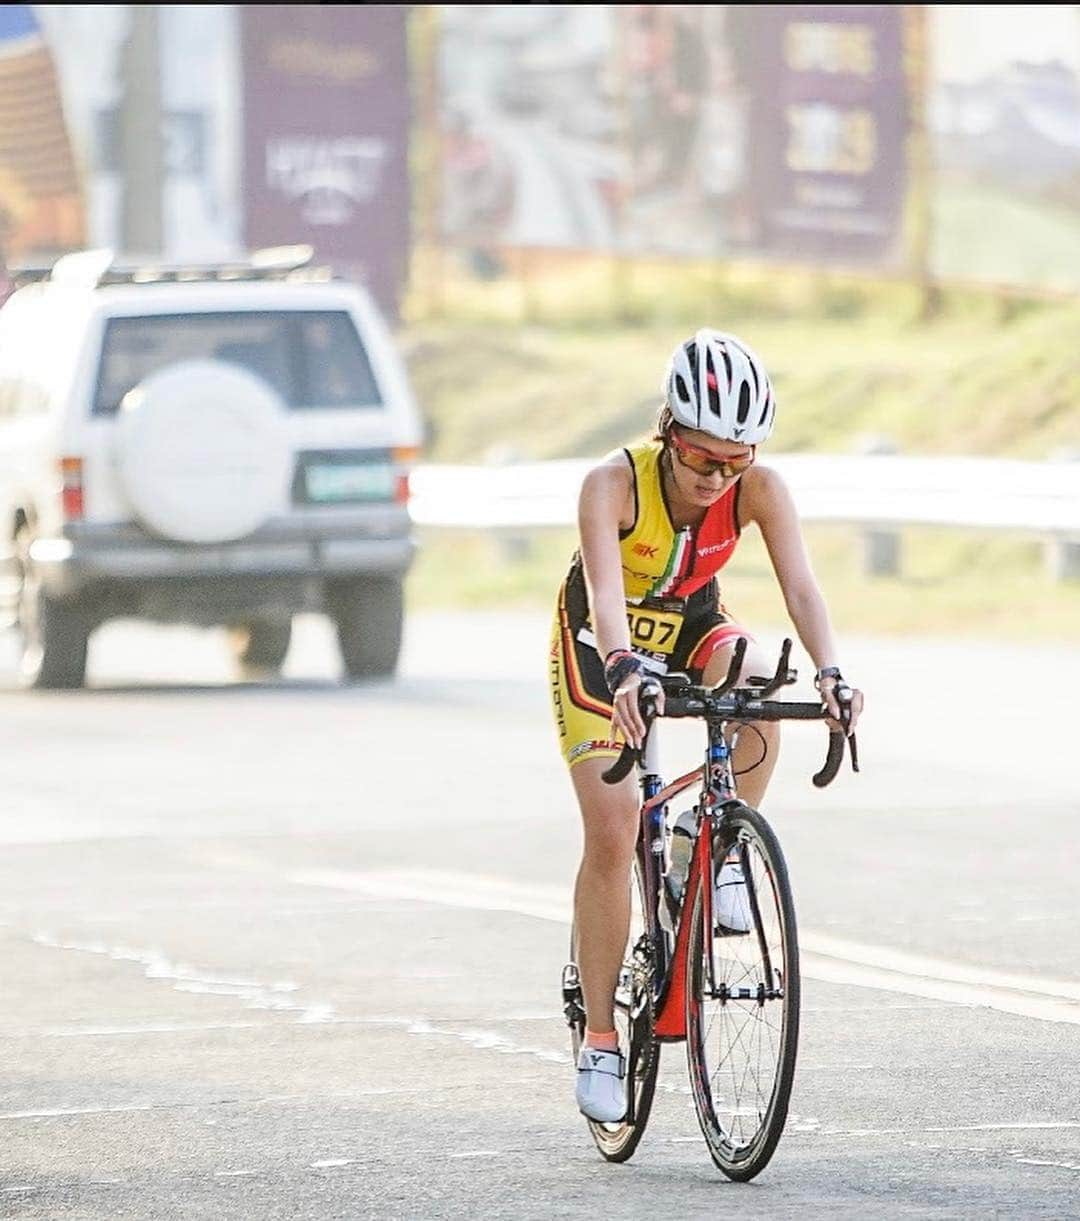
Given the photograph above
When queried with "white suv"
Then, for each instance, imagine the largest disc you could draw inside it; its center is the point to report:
(212, 445)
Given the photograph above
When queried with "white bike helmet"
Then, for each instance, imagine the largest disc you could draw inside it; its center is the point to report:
(715, 383)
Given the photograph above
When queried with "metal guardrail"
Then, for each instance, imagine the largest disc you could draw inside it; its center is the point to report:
(867, 490)
(879, 493)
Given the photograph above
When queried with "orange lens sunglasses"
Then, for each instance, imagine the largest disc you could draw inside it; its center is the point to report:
(701, 462)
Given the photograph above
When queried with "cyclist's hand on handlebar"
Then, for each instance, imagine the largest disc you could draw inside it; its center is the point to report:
(626, 716)
(845, 703)
(626, 679)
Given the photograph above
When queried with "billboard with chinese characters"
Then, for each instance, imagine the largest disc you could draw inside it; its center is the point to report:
(828, 107)
(326, 115)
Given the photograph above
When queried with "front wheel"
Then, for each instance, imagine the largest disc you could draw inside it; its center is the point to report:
(634, 1013)
(742, 1002)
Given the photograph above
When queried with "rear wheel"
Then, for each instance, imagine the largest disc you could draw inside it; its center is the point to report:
(260, 646)
(742, 1004)
(53, 635)
(368, 613)
(634, 1014)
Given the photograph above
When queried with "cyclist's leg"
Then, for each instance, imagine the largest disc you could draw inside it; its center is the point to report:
(753, 757)
(609, 816)
(582, 708)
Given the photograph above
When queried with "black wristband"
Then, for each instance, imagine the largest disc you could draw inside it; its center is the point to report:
(618, 667)
(828, 672)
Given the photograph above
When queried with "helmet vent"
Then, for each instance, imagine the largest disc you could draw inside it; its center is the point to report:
(744, 403)
(680, 389)
(766, 409)
(710, 381)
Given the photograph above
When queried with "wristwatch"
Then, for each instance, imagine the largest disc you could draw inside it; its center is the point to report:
(828, 672)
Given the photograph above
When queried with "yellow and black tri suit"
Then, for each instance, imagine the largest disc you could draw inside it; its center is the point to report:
(672, 605)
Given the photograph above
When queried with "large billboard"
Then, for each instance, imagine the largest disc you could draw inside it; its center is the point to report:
(326, 120)
(681, 128)
(828, 108)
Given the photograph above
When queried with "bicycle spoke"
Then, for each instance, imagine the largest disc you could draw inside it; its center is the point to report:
(743, 1022)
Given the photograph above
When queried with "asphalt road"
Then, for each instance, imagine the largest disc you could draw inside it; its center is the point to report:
(292, 950)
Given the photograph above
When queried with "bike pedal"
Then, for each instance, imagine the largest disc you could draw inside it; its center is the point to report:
(573, 1002)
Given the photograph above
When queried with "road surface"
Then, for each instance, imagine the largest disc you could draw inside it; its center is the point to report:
(292, 950)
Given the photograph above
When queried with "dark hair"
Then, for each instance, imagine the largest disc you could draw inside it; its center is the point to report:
(664, 423)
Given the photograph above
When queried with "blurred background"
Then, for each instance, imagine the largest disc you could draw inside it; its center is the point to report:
(886, 202)
(291, 947)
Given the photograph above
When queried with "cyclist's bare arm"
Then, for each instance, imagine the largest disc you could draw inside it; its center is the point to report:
(605, 505)
(766, 501)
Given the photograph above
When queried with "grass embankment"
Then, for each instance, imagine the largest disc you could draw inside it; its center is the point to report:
(849, 362)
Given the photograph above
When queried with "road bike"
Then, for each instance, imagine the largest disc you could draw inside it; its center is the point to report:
(730, 993)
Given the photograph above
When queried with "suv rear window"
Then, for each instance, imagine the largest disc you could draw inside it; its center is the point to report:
(311, 358)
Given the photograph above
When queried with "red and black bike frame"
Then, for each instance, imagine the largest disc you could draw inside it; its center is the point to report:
(670, 953)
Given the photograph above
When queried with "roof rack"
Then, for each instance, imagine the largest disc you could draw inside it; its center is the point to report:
(93, 268)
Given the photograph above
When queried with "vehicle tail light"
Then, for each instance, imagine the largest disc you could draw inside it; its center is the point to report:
(71, 488)
(404, 457)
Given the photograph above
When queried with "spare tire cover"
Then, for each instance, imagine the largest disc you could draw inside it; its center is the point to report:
(203, 451)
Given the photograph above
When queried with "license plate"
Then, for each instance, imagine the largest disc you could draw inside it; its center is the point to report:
(349, 481)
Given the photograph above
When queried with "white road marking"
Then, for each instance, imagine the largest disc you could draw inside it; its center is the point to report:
(1036, 1126)
(1038, 1161)
(56, 1112)
(825, 958)
(1010, 1127)
(1037, 1000)
(166, 1028)
(276, 996)
(475, 892)
(98, 1032)
(332, 1162)
(933, 968)
(487, 1040)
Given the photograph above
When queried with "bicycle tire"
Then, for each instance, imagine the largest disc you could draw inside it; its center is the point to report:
(735, 1017)
(634, 1021)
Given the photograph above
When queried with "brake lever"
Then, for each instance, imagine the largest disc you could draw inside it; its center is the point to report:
(843, 698)
(837, 737)
(624, 764)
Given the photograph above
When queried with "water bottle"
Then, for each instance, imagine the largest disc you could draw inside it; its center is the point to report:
(680, 851)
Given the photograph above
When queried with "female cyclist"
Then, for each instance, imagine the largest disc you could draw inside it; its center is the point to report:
(657, 521)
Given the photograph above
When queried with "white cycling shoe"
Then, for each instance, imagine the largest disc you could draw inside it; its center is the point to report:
(601, 1093)
(731, 902)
